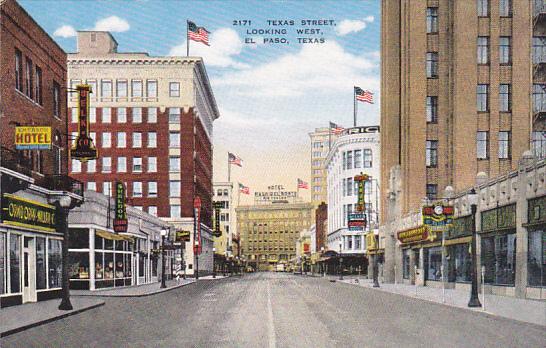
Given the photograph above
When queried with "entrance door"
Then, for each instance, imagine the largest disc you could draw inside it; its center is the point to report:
(29, 270)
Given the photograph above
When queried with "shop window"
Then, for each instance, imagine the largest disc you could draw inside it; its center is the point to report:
(78, 265)
(108, 244)
(54, 263)
(78, 239)
(406, 263)
(15, 262)
(433, 259)
(498, 256)
(459, 263)
(3, 256)
(99, 265)
(536, 269)
(98, 242)
(41, 281)
(108, 266)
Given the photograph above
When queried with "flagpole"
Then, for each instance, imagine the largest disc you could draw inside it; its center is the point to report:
(228, 170)
(297, 191)
(329, 136)
(187, 39)
(354, 106)
(238, 194)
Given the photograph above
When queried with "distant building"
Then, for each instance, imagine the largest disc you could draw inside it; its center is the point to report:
(269, 232)
(223, 194)
(151, 119)
(321, 140)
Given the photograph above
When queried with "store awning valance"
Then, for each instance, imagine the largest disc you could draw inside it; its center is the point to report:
(113, 236)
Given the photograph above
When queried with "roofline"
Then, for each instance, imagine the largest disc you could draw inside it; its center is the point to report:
(99, 31)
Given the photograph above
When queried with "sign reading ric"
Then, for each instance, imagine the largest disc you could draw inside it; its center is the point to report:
(22, 212)
(32, 138)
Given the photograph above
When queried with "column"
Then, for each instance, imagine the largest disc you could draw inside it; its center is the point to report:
(92, 259)
(522, 243)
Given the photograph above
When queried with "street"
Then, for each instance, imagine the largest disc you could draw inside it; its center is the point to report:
(277, 310)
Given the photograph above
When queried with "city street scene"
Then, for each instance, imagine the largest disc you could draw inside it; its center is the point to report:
(300, 173)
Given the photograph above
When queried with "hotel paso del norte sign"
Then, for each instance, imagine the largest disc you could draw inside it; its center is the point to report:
(274, 194)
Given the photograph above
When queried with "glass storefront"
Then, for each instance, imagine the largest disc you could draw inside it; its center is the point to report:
(498, 256)
(536, 266)
(406, 263)
(54, 256)
(459, 261)
(433, 263)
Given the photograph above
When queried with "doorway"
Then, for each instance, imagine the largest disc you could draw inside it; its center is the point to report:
(29, 269)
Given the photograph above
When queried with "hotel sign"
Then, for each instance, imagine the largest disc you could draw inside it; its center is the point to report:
(275, 193)
(360, 130)
(120, 217)
(83, 148)
(419, 234)
(24, 212)
(32, 138)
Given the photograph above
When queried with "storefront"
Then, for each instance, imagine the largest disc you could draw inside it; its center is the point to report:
(536, 229)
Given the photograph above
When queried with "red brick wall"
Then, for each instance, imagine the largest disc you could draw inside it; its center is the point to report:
(321, 215)
(19, 30)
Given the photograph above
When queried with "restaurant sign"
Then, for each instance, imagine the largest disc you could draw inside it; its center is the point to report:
(24, 212)
(32, 138)
(120, 216)
(419, 234)
(500, 218)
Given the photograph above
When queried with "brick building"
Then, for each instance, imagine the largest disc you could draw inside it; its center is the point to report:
(32, 80)
(321, 221)
(151, 121)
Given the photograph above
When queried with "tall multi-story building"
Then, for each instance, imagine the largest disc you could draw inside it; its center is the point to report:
(321, 141)
(268, 232)
(463, 92)
(223, 195)
(151, 119)
(33, 182)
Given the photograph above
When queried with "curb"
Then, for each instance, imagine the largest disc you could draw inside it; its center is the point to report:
(49, 320)
(139, 295)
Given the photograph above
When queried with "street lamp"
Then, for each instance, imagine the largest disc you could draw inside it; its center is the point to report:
(163, 235)
(323, 265)
(340, 261)
(62, 206)
(213, 269)
(474, 300)
(374, 265)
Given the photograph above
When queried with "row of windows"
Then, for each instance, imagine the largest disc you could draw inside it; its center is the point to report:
(318, 145)
(252, 248)
(121, 115)
(222, 192)
(137, 165)
(350, 187)
(137, 139)
(482, 100)
(362, 159)
(122, 88)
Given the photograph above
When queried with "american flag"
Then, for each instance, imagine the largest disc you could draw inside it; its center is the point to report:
(198, 34)
(232, 159)
(363, 95)
(244, 189)
(337, 129)
(302, 184)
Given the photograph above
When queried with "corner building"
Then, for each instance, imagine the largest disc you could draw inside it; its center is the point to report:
(151, 119)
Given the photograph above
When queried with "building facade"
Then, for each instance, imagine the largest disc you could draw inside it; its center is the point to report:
(223, 195)
(469, 96)
(321, 141)
(32, 182)
(268, 232)
(355, 151)
(151, 119)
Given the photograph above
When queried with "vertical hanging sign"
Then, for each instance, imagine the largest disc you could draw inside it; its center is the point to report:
(197, 225)
(217, 207)
(361, 179)
(83, 148)
(120, 216)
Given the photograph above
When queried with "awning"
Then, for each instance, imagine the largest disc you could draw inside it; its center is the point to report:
(112, 236)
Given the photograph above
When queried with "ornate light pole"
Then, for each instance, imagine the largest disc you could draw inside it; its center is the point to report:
(474, 299)
(213, 267)
(340, 261)
(62, 206)
(163, 235)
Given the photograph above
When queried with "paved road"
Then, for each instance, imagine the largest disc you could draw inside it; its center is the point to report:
(277, 310)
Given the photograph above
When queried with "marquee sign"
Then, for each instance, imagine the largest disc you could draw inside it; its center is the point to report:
(361, 180)
(356, 221)
(120, 217)
(32, 138)
(24, 212)
(419, 234)
(217, 207)
(83, 148)
(438, 217)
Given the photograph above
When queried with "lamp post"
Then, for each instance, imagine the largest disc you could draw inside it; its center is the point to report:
(163, 234)
(225, 263)
(213, 268)
(340, 261)
(374, 266)
(62, 206)
(474, 300)
(323, 267)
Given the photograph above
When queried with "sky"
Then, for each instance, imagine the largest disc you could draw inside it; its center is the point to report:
(270, 95)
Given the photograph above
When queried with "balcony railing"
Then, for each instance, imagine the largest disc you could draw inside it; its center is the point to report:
(61, 182)
(16, 161)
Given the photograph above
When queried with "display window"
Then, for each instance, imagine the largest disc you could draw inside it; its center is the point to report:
(406, 263)
(459, 262)
(54, 258)
(498, 256)
(433, 263)
(536, 260)
(41, 274)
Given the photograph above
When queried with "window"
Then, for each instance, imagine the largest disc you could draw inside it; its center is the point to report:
(432, 64)
(504, 145)
(152, 139)
(482, 148)
(432, 109)
(137, 139)
(91, 186)
(498, 256)
(106, 140)
(539, 97)
(432, 191)
(107, 188)
(174, 139)
(152, 115)
(106, 89)
(122, 164)
(536, 259)
(137, 189)
(505, 8)
(505, 98)
(106, 115)
(433, 263)
(367, 156)
(483, 8)
(137, 164)
(137, 115)
(174, 89)
(344, 160)
(483, 50)
(152, 210)
(358, 158)
(136, 88)
(152, 164)
(152, 189)
(349, 160)
(91, 166)
(432, 20)
(54, 263)
(38, 86)
(19, 70)
(539, 49)
(121, 91)
(106, 164)
(74, 114)
(151, 89)
(28, 79)
(175, 211)
(406, 263)
(482, 97)
(538, 143)
(122, 115)
(93, 85)
(349, 186)
(432, 153)
(76, 166)
(174, 164)
(174, 115)
(122, 140)
(316, 153)
(505, 52)
(93, 115)
(174, 188)
(56, 99)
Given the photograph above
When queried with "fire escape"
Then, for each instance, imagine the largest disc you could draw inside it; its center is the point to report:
(538, 142)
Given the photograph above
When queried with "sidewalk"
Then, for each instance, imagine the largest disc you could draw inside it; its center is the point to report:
(22, 317)
(209, 277)
(530, 311)
(133, 291)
